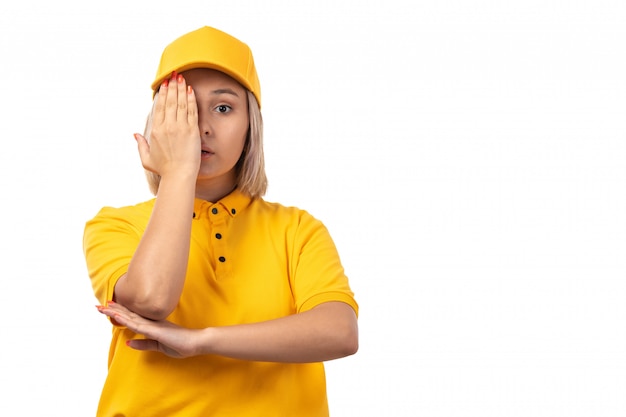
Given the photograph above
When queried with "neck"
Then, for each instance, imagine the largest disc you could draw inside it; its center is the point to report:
(214, 190)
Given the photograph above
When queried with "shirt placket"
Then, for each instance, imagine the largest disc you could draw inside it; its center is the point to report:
(220, 219)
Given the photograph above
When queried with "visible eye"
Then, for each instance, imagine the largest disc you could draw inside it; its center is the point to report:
(223, 108)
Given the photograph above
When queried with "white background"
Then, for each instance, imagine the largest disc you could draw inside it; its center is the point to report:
(468, 158)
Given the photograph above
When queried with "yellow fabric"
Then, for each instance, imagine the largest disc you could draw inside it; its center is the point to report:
(276, 261)
(208, 47)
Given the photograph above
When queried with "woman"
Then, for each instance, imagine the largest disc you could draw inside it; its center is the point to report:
(221, 303)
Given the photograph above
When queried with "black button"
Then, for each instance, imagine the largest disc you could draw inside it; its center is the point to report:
(222, 259)
(194, 214)
(214, 211)
(233, 211)
(218, 235)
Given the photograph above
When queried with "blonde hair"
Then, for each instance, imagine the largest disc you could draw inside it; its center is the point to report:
(251, 177)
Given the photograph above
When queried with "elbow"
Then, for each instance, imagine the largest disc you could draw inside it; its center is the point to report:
(351, 334)
(154, 311)
(350, 343)
(154, 306)
(149, 306)
(347, 340)
(343, 333)
(354, 347)
(149, 309)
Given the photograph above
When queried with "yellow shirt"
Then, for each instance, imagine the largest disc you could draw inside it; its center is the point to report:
(249, 261)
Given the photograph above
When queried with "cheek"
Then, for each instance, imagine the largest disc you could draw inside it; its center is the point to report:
(241, 133)
(240, 146)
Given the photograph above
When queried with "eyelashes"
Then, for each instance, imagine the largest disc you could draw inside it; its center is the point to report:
(223, 108)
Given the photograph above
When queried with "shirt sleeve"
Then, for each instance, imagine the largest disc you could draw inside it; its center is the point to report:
(109, 242)
(317, 273)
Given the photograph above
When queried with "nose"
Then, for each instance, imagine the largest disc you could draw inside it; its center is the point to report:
(203, 125)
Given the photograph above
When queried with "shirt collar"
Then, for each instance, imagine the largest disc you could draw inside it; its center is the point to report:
(233, 204)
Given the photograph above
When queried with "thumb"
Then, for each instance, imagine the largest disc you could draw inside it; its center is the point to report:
(144, 149)
(152, 345)
(143, 344)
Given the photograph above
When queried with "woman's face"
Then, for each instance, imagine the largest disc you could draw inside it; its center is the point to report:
(223, 124)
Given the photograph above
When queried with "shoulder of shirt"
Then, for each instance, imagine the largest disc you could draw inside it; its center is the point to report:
(278, 207)
(286, 211)
(139, 209)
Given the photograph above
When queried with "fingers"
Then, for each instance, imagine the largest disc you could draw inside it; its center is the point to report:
(117, 311)
(181, 113)
(171, 101)
(176, 99)
(117, 319)
(159, 105)
(187, 109)
(192, 107)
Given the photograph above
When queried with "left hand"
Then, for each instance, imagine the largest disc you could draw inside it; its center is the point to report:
(161, 336)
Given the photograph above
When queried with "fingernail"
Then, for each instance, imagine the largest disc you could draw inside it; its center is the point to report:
(174, 75)
(165, 83)
(189, 90)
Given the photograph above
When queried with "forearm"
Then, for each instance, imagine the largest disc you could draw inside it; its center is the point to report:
(156, 274)
(328, 331)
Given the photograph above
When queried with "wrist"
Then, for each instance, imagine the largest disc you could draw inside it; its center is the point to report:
(179, 184)
(181, 174)
(205, 342)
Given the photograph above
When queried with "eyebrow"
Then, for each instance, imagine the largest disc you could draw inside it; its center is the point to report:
(224, 91)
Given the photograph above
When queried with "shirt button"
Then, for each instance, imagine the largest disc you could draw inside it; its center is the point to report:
(194, 215)
(233, 211)
(218, 235)
(214, 211)
(222, 259)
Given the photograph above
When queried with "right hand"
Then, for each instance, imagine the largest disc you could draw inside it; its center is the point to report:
(174, 144)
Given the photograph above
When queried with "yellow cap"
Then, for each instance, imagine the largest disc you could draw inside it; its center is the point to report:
(209, 48)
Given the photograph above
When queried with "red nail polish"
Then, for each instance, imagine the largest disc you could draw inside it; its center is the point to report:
(165, 83)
